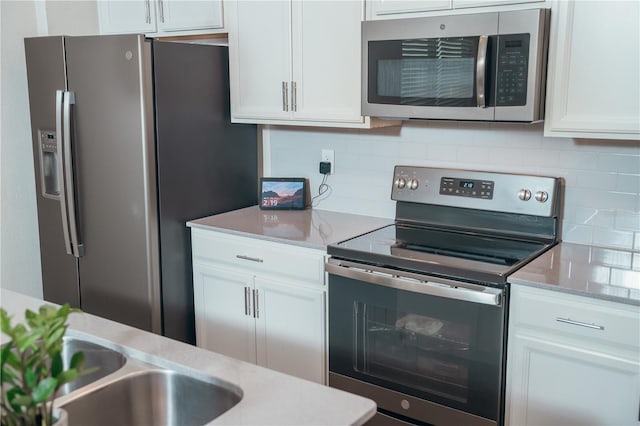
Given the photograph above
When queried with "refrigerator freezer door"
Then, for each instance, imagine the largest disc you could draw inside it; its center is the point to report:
(115, 177)
(46, 74)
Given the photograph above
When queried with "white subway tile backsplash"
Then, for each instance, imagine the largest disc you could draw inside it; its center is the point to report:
(621, 163)
(579, 234)
(628, 183)
(627, 220)
(602, 177)
(608, 237)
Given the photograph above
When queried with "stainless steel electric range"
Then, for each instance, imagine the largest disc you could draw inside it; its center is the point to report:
(418, 309)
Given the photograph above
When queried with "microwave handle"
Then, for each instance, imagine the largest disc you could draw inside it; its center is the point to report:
(481, 71)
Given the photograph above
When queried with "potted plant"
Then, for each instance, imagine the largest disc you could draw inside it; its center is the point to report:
(32, 366)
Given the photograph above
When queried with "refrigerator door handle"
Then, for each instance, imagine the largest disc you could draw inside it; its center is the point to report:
(77, 249)
(63, 191)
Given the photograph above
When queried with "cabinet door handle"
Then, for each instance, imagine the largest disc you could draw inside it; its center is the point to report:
(247, 302)
(294, 96)
(253, 259)
(161, 4)
(285, 96)
(256, 301)
(580, 323)
(148, 8)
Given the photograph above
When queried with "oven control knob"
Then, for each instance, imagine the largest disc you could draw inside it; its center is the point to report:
(542, 196)
(524, 194)
(413, 183)
(401, 182)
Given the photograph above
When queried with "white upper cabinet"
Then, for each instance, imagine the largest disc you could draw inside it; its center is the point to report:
(159, 16)
(259, 60)
(593, 83)
(296, 62)
(381, 9)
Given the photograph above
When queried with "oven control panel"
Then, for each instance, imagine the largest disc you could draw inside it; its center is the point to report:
(504, 192)
(466, 187)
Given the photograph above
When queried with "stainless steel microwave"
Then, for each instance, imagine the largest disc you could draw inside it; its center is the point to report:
(486, 66)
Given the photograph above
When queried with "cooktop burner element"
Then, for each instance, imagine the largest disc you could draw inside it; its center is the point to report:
(469, 225)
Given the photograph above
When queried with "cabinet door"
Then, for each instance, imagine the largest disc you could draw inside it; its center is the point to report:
(176, 15)
(593, 88)
(558, 384)
(132, 16)
(290, 329)
(224, 323)
(327, 64)
(259, 59)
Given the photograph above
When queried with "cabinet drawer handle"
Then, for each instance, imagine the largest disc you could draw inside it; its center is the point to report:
(580, 323)
(253, 259)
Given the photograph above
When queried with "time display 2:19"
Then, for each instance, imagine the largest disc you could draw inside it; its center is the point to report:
(466, 184)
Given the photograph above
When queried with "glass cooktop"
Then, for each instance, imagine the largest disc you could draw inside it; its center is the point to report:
(462, 255)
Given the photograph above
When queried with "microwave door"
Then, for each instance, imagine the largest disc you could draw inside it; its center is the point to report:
(432, 68)
(434, 78)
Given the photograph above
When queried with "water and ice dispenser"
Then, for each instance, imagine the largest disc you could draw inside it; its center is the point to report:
(49, 158)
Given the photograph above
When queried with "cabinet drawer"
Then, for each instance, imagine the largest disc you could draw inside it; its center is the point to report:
(256, 256)
(579, 316)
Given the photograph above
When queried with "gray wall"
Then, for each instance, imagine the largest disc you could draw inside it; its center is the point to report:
(19, 243)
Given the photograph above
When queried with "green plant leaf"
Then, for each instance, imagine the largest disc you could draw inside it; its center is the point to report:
(31, 378)
(67, 376)
(27, 339)
(45, 389)
(5, 321)
(31, 363)
(19, 399)
(5, 355)
(77, 360)
(56, 364)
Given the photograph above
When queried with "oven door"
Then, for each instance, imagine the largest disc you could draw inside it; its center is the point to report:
(426, 349)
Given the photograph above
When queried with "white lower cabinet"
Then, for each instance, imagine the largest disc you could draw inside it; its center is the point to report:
(290, 329)
(571, 360)
(261, 302)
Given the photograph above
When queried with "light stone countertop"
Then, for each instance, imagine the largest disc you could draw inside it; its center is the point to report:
(584, 270)
(269, 397)
(310, 228)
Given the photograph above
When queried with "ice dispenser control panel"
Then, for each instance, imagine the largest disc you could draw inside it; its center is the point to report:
(49, 157)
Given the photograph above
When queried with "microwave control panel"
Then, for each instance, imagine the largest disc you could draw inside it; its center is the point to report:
(513, 65)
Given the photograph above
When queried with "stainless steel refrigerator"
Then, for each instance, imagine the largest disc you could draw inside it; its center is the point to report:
(131, 139)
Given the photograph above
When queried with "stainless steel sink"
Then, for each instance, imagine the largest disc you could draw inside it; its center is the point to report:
(106, 360)
(153, 397)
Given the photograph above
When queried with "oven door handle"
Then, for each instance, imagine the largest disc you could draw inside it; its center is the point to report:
(416, 283)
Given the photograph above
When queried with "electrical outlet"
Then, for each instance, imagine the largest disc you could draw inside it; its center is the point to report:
(329, 156)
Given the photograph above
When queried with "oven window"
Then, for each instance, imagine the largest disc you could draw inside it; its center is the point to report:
(424, 353)
(443, 350)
